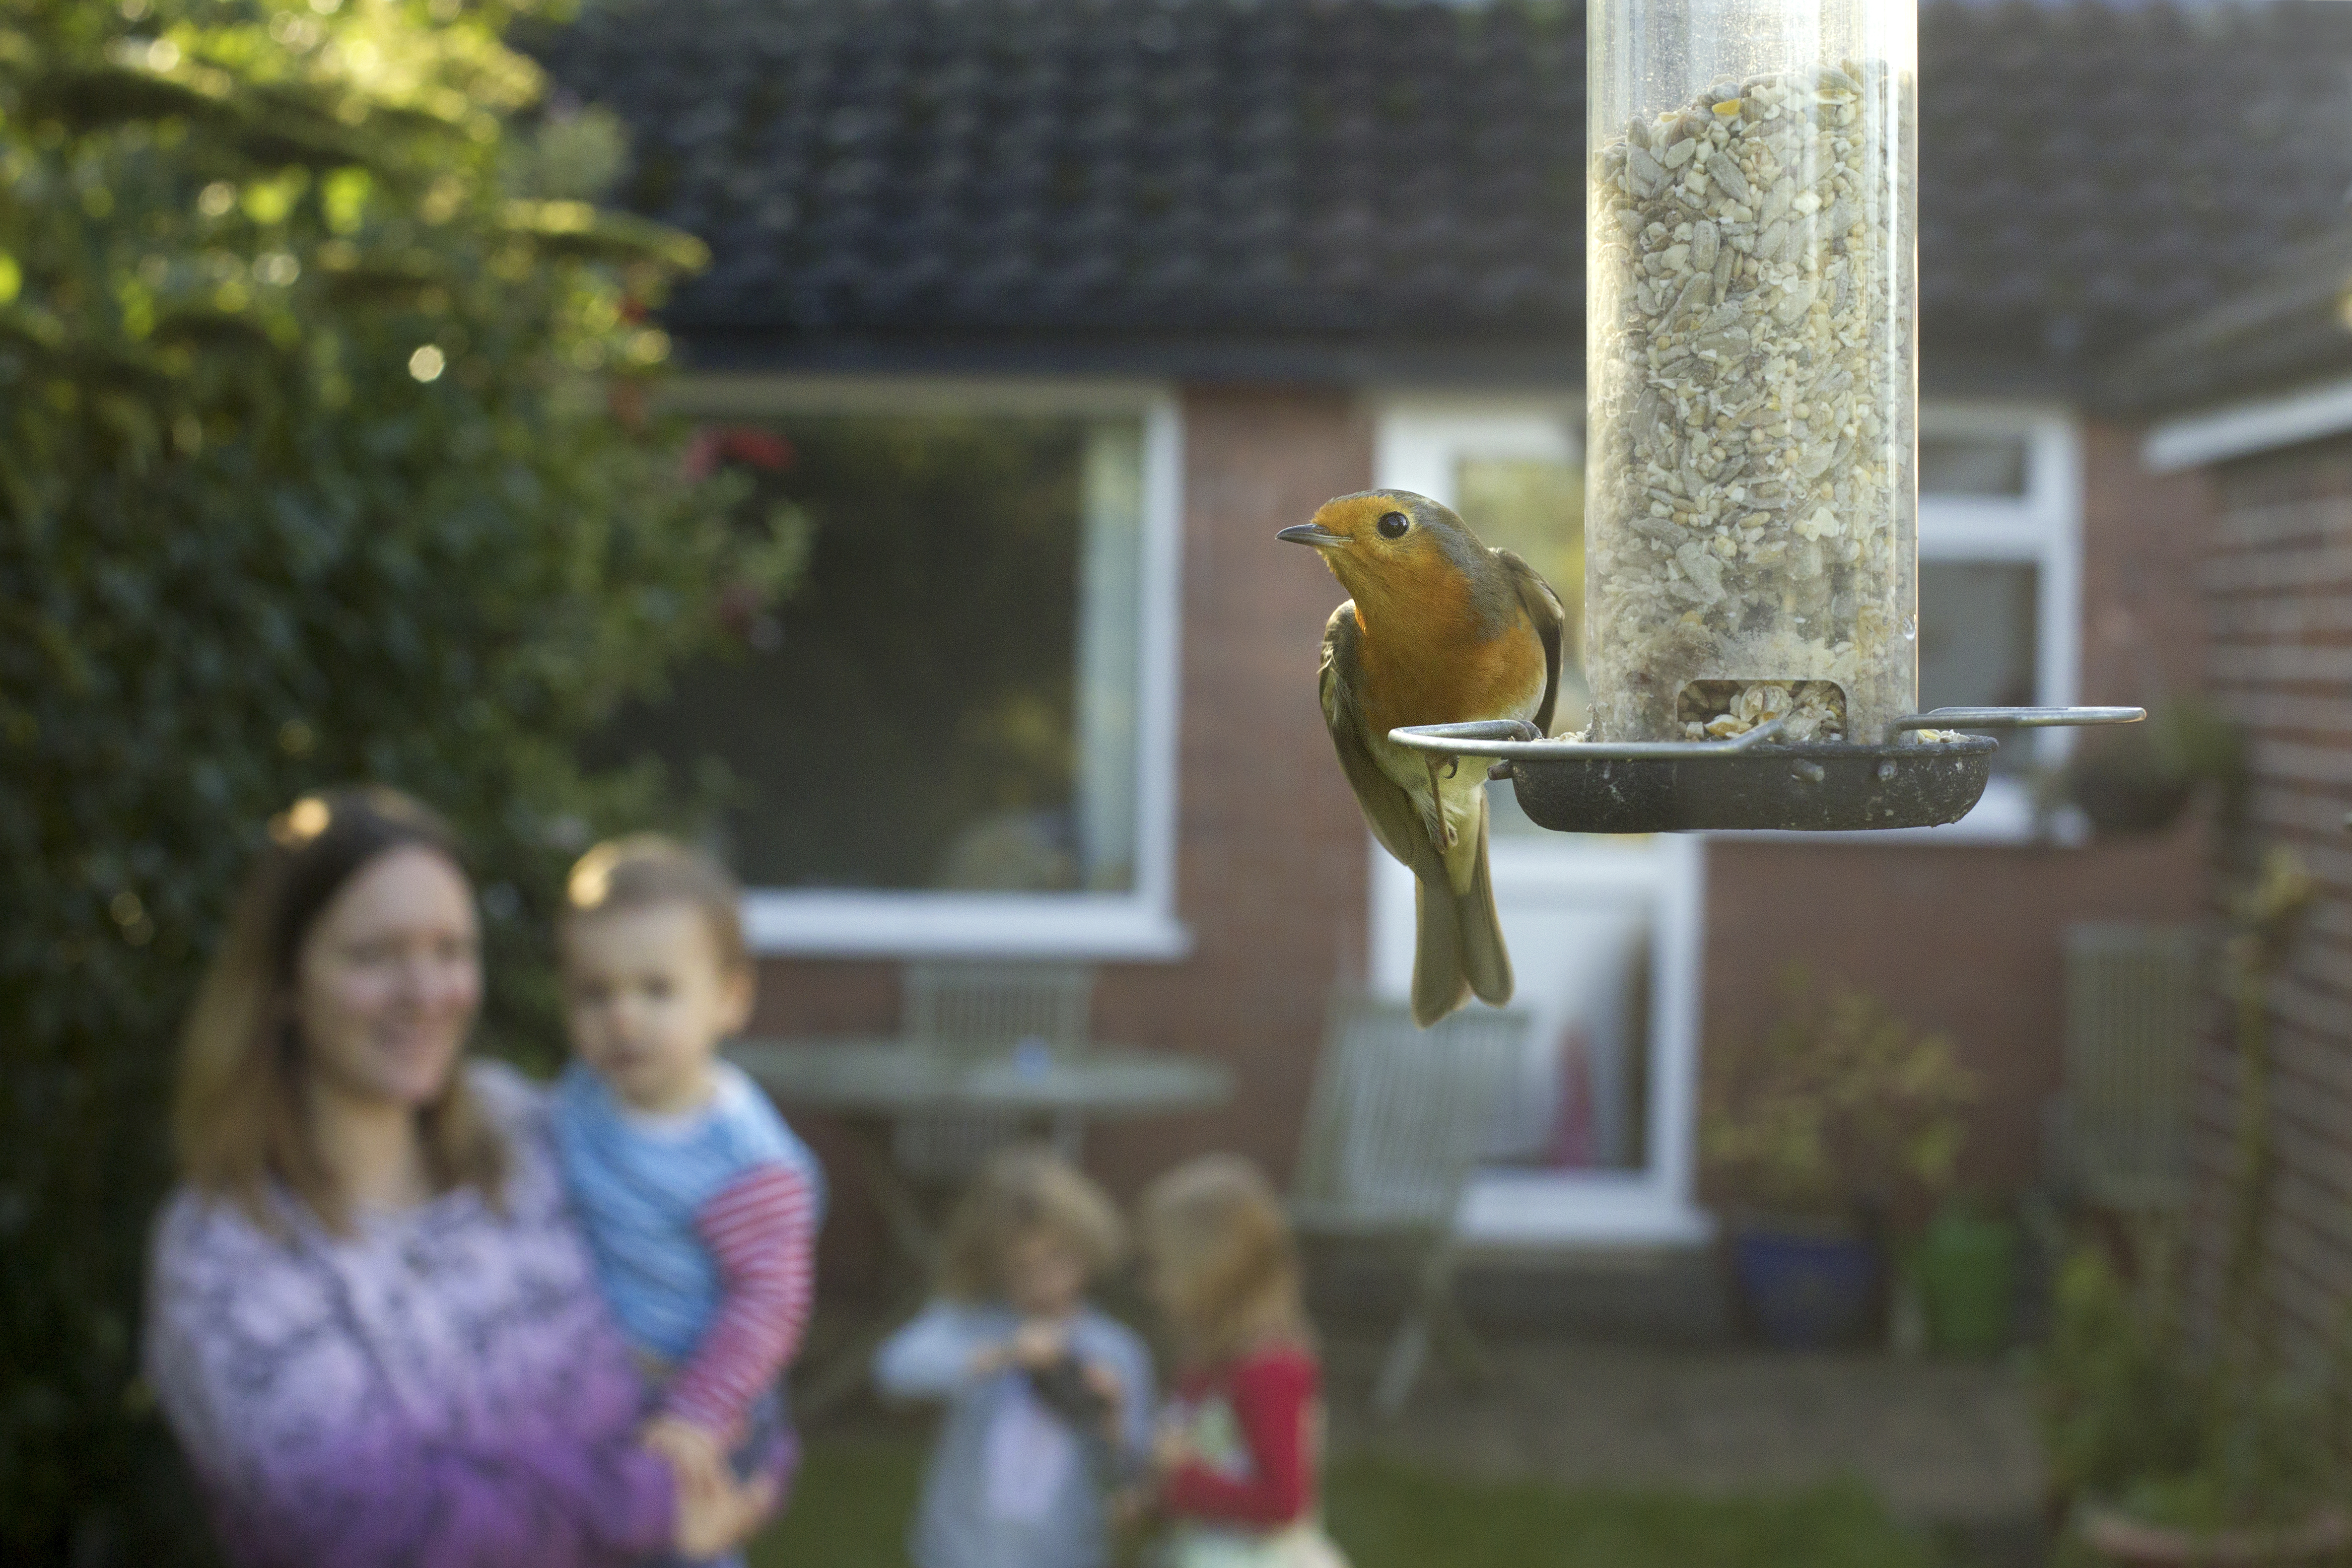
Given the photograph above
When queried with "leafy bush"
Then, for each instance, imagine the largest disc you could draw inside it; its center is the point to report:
(2118, 1399)
(2215, 1428)
(321, 463)
(2134, 1413)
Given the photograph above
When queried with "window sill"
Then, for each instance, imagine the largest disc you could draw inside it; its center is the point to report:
(950, 926)
(1578, 1208)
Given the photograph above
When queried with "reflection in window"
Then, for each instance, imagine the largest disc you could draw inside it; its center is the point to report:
(948, 698)
(1535, 509)
(1580, 1102)
(1978, 643)
(1972, 465)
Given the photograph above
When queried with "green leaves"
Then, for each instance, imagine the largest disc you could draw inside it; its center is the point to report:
(1841, 1104)
(248, 547)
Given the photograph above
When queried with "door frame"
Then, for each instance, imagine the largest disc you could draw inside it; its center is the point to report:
(1418, 439)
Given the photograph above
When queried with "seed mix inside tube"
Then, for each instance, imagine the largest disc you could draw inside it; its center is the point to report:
(1752, 515)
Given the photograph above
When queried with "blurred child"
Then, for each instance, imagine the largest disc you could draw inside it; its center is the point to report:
(1240, 1443)
(699, 1204)
(1048, 1401)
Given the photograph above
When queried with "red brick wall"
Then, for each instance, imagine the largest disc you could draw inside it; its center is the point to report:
(2144, 541)
(1963, 940)
(2279, 586)
(1271, 855)
(1966, 939)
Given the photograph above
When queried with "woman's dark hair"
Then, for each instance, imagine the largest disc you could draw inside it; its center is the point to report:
(241, 1123)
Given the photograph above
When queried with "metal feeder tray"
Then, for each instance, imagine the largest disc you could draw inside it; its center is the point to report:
(1750, 781)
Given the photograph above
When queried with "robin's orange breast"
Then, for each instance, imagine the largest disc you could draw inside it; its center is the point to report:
(1442, 674)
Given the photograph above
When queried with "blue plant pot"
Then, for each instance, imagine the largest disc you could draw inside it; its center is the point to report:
(1806, 1289)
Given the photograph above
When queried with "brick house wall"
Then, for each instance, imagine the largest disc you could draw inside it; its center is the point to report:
(1271, 859)
(1966, 939)
(1962, 941)
(2279, 587)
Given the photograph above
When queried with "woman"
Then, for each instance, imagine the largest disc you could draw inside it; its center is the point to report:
(371, 1323)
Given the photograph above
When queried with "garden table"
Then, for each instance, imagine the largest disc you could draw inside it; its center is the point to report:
(872, 1083)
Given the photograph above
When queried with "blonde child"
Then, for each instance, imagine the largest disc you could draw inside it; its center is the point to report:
(1047, 1399)
(699, 1204)
(1240, 1443)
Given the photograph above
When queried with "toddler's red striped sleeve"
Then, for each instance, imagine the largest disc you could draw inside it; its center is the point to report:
(761, 1229)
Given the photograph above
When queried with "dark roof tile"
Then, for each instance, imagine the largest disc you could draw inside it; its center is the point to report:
(1402, 168)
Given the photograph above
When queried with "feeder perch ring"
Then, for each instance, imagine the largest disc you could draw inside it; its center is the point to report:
(1753, 780)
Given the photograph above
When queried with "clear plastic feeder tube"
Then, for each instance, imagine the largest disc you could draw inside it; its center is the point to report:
(1752, 367)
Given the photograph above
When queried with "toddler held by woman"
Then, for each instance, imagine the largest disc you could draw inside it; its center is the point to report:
(699, 1204)
(1047, 1399)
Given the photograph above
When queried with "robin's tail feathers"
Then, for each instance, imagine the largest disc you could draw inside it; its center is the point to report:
(1484, 960)
(1458, 949)
(1438, 984)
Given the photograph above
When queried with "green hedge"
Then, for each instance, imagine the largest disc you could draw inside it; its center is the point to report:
(319, 464)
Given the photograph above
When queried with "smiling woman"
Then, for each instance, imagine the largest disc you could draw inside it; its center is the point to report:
(354, 954)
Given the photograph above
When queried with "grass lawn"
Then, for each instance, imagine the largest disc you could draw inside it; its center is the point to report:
(851, 1507)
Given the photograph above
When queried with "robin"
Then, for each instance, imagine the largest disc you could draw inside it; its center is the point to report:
(1439, 629)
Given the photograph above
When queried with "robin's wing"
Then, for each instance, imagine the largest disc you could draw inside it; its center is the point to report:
(1395, 821)
(1543, 608)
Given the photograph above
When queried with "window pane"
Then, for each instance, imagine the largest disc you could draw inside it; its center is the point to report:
(1535, 510)
(1972, 465)
(948, 699)
(1978, 646)
(1580, 1100)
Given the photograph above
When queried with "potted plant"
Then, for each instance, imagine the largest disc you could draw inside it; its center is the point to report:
(1843, 1117)
(2173, 1447)
(2167, 1457)
(2138, 778)
(1965, 1270)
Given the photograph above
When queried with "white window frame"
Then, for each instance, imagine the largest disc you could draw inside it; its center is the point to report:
(2043, 527)
(1137, 925)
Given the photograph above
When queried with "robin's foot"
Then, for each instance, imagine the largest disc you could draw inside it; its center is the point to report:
(1441, 831)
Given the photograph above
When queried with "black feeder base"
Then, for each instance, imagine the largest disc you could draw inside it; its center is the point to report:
(1805, 789)
(1749, 782)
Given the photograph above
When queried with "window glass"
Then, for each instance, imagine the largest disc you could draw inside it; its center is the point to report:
(948, 700)
(1972, 465)
(1978, 645)
(1534, 508)
(1580, 1099)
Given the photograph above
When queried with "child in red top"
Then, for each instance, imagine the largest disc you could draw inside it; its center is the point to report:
(1240, 1445)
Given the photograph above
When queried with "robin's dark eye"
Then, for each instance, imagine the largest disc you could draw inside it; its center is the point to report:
(1393, 525)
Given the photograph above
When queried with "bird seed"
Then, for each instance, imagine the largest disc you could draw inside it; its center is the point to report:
(1751, 515)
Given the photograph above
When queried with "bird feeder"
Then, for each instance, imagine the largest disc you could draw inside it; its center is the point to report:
(1752, 514)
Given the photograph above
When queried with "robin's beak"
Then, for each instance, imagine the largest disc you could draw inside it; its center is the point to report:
(1312, 534)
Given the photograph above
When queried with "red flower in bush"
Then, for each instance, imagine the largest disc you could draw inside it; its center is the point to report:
(752, 447)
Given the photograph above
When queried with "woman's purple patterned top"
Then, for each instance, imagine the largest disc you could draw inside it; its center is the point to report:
(441, 1389)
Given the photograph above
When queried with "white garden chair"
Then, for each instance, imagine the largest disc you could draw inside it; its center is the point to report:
(986, 1011)
(1395, 1126)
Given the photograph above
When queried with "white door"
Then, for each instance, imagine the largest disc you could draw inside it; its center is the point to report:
(1596, 1146)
